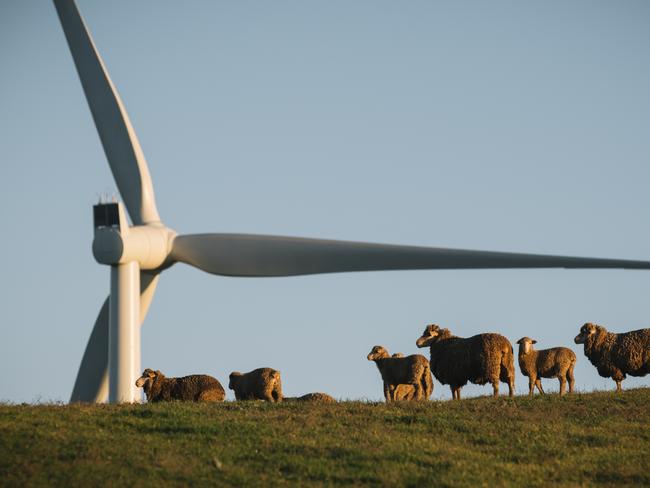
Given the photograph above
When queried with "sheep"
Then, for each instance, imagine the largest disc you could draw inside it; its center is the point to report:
(557, 362)
(317, 397)
(405, 392)
(259, 384)
(411, 370)
(616, 355)
(197, 387)
(481, 359)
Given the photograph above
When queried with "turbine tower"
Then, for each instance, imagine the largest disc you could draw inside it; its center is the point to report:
(139, 252)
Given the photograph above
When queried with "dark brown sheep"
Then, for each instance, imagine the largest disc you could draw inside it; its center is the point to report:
(412, 370)
(259, 384)
(616, 355)
(196, 387)
(480, 359)
(556, 362)
(316, 397)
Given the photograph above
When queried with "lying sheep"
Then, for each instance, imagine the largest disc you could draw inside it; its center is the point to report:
(404, 392)
(196, 387)
(481, 359)
(317, 397)
(259, 384)
(557, 362)
(616, 355)
(412, 370)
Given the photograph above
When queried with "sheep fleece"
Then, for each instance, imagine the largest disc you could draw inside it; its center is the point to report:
(616, 355)
(477, 359)
(188, 388)
(259, 384)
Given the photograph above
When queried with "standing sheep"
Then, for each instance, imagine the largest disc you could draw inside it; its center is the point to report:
(412, 370)
(480, 359)
(259, 384)
(616, 355)
(557, 362)
(196, 387)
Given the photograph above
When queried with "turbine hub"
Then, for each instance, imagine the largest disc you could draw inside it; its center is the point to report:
(116, 242)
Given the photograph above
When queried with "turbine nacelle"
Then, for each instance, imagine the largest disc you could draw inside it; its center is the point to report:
(116, 242)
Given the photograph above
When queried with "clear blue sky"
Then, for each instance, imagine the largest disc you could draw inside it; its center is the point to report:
(514, 126)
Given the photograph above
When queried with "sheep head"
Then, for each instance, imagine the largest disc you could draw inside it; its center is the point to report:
(526, 344)
(147, 379)
(429, 336)
(378, 352)
(586, 331)
(234, 379)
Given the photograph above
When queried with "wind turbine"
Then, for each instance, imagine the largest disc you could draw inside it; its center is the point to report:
(138, 253)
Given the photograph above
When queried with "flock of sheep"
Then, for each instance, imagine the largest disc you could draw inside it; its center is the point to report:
(454, 361)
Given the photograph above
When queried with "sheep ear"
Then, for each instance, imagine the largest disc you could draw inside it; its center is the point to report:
(158, 373)
(533, 341)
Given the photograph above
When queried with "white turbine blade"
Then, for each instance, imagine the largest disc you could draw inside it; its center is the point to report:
(258, 255)
(91, 385)
(120, 143)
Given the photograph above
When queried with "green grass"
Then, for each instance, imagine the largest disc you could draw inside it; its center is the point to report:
(589, 439)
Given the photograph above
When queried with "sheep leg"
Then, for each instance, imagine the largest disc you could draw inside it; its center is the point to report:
(562, 384)
(268, 393)
(618, 386)
(538, 383)
(418, 393)
(495, 388)
(389, 393)
(511, 386)
(429, 385)
(570, 378)
(531, 385)
(423, 385)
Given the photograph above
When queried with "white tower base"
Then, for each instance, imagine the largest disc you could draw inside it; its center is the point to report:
(124, 334)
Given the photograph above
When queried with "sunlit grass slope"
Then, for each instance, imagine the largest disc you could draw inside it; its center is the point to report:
(582, 440)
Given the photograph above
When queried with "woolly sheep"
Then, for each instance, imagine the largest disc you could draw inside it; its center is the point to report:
(557, 362)
(259, 384)
(480, 359)
(616, 355)
(196, 387)
(412, 370)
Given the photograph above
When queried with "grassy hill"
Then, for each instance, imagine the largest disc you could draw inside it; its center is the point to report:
(586, 439)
